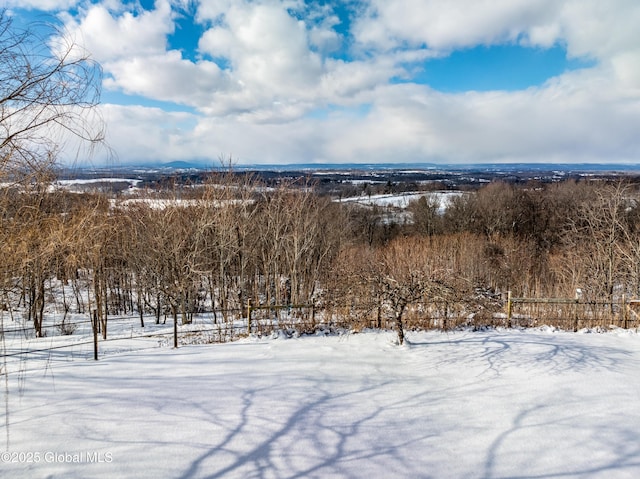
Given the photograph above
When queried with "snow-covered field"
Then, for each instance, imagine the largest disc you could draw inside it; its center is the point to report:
(402, 200)
(492, 404)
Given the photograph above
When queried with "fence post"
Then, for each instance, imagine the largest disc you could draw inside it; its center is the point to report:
(509, 308)
(623, 311)
(175, 330)
(249, 316)
(94, 326)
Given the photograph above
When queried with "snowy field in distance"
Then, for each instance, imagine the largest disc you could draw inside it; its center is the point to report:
(492, 404)
(402, 200)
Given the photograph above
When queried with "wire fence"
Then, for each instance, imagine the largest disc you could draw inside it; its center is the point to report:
(573, 314)
(562, 313)
(220, 326)
(125, 333)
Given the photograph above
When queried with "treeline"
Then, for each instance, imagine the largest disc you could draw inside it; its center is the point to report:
(236, 243)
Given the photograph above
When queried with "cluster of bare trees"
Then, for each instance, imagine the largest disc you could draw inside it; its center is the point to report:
(49, 89)
(238, 242)
(535, 240)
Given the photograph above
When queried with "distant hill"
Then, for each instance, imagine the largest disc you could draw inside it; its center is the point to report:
(182, 165)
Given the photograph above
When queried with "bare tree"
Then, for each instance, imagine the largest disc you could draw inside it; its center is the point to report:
(595, 237)
(49, 88)
(426, 214)
(295, 235)
(403, 272)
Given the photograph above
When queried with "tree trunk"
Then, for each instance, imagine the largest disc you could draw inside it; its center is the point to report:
(400, 325)
(38, 313)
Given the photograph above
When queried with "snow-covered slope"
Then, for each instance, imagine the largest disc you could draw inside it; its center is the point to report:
(535, 403)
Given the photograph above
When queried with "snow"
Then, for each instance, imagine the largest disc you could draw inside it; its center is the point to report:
(402, 200)
(88, 181)
(164, 203)
(463, 404)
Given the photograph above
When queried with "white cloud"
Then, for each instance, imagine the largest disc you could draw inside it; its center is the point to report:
(125, 36)
(446, 25)
(406, 123)
(167, 77)
(44, 5)
(588, 28)
(343, 80)
(626, 66)
(559, 122)
(148, 134)
(600, 29)
(212, 10)
(324, 38)
(268, 50)
(273, 73)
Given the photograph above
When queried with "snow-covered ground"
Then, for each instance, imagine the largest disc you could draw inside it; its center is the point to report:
(128, 185)
(492, 404)
(402, 200)
(67, 183)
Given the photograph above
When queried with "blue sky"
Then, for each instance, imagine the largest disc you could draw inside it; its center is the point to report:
(497, 67)
(293, 81)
